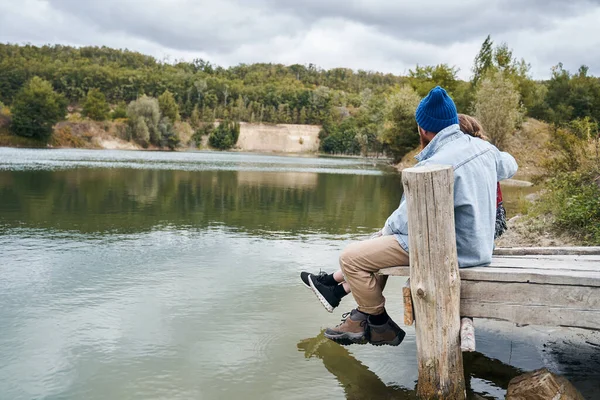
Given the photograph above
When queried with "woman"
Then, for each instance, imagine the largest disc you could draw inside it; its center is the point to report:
(331, 288)
(472, 127)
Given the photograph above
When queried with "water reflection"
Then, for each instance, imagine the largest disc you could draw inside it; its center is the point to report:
(130, 200)
(139, 274)
(355, 378)
(359, 382)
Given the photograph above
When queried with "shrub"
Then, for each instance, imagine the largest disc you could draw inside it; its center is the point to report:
(203, 130)
(169, 138)
(573, 198)
(140, 131)
(572, 195)
(497, 107)
(36, 108)
(120, 111)
(95, 105)
(224, 136)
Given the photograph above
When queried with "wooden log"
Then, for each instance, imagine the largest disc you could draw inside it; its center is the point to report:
(409, 317)
(541, 385)
(435, 281)
(467, 335)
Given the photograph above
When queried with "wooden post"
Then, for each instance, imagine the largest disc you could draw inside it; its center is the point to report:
(434, 281)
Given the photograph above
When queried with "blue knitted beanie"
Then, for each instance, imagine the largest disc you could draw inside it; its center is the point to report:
(436, 111)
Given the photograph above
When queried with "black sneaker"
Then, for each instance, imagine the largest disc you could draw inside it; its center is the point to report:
(304, 276)
(324, 293)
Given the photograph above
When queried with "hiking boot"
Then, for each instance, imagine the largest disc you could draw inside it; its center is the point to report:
(304, 277)
(388, 333)
(352, 330)
(324, 293)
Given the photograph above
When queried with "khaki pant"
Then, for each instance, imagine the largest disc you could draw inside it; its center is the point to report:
(359, 262)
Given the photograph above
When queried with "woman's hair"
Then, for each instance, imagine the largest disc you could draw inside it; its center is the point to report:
(471, 126)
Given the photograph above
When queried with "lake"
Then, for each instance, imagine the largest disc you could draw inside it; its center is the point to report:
(139, 275)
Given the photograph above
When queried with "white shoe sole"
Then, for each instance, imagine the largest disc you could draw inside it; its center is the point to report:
(324, 302)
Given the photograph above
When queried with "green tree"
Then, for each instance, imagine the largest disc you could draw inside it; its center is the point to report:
(302, 118)
(423, 79)
(484, 59)
(224, 136)
(36, 108)
(95, 105)
(497, 107)
(340, 138)
(168, 106)
(400, 133)
(503, 59)
(195, 118)
(169, 138)
(140, 130)
(370, 121)
(144, 117)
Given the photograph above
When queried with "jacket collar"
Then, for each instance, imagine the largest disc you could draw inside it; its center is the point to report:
(444, 136)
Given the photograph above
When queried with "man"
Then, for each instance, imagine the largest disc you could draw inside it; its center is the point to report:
(478, 166)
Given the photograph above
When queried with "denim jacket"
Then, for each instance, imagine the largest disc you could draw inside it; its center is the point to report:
(478, 166)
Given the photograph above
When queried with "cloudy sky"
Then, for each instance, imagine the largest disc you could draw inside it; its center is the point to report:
(379, 35)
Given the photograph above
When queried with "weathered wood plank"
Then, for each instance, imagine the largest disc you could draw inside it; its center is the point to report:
(519, 251)
(534, 315)
(435, 281)
(566, 258)
(530, 275)
(548, 264)
(396, 271)
(560, 263)
(576, 297)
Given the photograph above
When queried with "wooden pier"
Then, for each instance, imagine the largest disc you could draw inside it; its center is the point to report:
(532, 289)
(538, 286)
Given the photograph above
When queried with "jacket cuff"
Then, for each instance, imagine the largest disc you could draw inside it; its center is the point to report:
(386, 230)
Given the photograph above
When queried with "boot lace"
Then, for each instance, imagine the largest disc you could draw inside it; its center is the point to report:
(346, 315)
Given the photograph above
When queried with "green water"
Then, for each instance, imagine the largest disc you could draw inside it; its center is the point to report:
(137, 275)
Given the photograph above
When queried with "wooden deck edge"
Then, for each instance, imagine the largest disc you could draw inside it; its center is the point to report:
(508, 275)
(533, 315)
(546, 251)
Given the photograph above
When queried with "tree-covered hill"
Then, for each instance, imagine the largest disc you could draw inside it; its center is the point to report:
(360, 111)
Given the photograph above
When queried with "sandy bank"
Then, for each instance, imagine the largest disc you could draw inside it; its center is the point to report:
(282, 138)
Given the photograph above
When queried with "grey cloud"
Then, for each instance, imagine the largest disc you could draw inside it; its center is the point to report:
(383, 35)
(184, 24)
(440, 22)
(226, 25)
